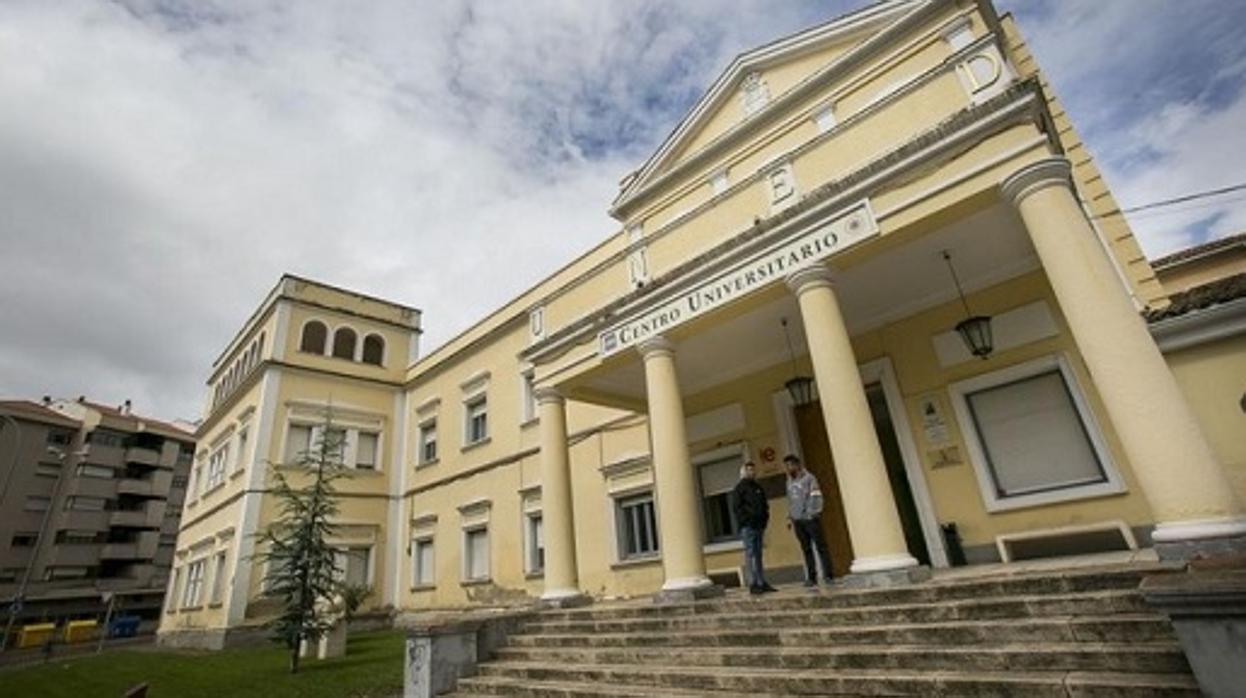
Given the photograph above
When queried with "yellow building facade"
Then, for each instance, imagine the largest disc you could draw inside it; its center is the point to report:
(803, 221)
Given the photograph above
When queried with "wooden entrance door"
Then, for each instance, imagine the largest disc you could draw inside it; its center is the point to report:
(817, 450)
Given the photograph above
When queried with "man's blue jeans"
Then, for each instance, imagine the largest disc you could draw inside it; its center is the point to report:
(753, 568)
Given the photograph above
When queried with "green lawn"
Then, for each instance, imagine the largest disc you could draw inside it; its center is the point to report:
(372, 668)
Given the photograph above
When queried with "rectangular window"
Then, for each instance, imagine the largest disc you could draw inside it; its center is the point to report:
(274, 569)
(69, 573)
(24, 540)
(422, 559)
(71, 537)
(99, 471)
(1032, 437)
(180, 481)
(170, 602)
(48, 469)
(477, 420)
(241, 454)
(718, 480)
(86, 504)
(57, 437)
(194, 583)
(218, 578)
(637, 526)
(365, 451)
(103, 437)
(298, 443)
(37, 503)
(535, 544)
(333, 441)
(428, 442)
(352, 565)
(476, 554)
(527, 396)
(216, 467)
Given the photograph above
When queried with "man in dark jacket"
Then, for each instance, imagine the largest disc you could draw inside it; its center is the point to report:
(752, 511)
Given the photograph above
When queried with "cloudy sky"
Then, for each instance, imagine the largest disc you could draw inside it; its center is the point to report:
(162, 162)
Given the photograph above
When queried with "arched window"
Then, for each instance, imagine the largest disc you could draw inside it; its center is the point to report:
(373, 349)
(344, 343)
(314, 336)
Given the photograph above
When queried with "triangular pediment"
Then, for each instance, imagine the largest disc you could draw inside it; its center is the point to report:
(755, 79)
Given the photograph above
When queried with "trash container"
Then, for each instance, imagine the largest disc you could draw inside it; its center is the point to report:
(80, 631)
(35, 634)
(124, 626)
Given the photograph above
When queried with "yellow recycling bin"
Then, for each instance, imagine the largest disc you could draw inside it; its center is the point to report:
(80, 630)
(35, 635)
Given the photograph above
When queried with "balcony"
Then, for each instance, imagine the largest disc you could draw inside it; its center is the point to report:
(143, 547)
(155, 484)
(75, 555)
(150, 515)
(142, 456)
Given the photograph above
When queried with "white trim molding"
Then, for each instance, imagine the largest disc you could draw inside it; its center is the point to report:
(882, 563)
(1199, 529)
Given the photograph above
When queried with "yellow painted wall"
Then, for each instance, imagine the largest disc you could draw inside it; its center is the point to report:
(1186, 275)
(1213, 378)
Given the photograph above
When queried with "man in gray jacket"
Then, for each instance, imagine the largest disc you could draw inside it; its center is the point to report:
(804, 510)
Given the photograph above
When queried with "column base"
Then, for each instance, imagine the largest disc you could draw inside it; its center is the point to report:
(882, 563)
(886, 578)
(573, 599)
(687, 591)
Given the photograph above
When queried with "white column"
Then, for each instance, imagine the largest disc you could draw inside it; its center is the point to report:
(869, 505)
(1190, 495)
(557, 510)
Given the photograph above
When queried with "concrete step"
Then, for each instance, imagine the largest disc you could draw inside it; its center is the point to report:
(493, 686)
(1080, 604)
(518, 678)
(1114, 628)
(1154, 658)
(798, 598)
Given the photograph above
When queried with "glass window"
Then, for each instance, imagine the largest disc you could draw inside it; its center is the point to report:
(218, 579)
(422, 555)
(241, 454)
(334, 443)
(536, 544)
(637, 526)
(48, 469)
(365, 451)
(373, 349)
(58, 437)
(216, 466)
(477, 420)
(428, 442)
(718, 480)
(315, 334)
(1032, 436)
(99, 471)
(25, 540)
(37, 503)
(476, 554)
(298, 443)
(170, 602)
(86, 504)
(194, 584)
(352, 565)
(344, 340)
(103, 437)
(275, 569)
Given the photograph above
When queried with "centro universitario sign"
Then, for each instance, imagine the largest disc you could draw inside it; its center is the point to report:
(841, 232)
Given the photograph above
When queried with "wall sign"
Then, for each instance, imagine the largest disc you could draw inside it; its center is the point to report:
(841, 232)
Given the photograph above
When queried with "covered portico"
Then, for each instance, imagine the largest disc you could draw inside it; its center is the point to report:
(835, 279)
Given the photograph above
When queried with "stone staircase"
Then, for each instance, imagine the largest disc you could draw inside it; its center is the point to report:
(1070, 633)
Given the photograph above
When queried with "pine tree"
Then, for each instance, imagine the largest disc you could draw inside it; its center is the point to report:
(302, 570)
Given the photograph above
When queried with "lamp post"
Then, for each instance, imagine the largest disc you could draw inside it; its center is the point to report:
(20, 597)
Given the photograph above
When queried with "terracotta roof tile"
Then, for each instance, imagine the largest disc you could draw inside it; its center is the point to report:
(1220, 291)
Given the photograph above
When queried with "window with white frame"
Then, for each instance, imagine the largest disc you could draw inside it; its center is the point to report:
(274, 569)
(298, 442)
(637, 526)
(365, 450)
(427, 442)
(527, 396)
(194, 583)
(218, 579)
(1031, 436)
(476, 554)
(353, 565)
(170, 602)
(216, 466)
(719, 475)
(422, 570)
(241, 454)
(476, 420)
(534, 539)
(333, 441)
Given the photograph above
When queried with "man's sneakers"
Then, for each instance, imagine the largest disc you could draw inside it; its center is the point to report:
(766, 588)
(762, 589)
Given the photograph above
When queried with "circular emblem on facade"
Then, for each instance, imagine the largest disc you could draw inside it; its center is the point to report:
(854, 224)
(767, 454)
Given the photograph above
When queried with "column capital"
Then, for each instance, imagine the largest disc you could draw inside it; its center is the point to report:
(656, 346)
(816, 276)
(1047, 172)
(547, 394)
